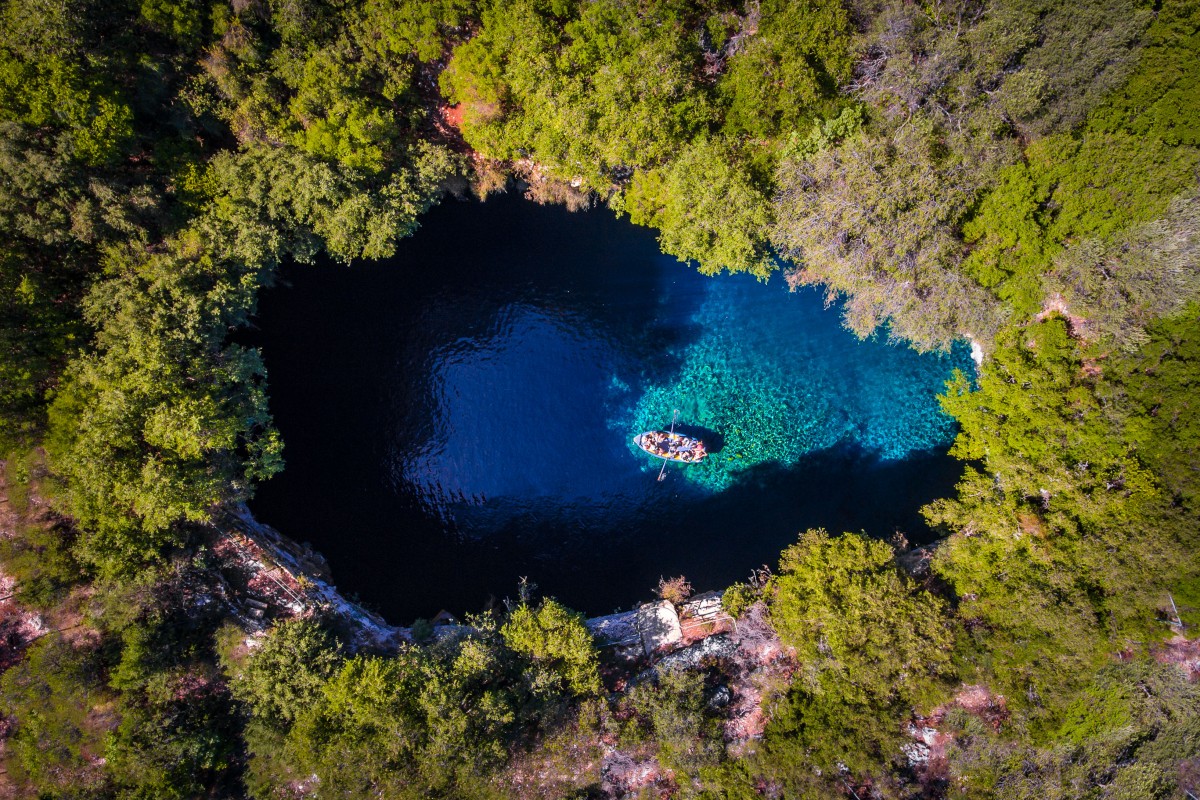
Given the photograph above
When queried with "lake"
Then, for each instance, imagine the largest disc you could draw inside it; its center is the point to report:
(460, 416)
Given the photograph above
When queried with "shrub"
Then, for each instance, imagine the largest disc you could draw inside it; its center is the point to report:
(675, 590)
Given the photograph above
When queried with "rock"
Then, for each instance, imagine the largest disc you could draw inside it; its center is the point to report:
(976, 351)
(658, 625)
(702, 606)
(720, 646)
(721, 697)
(916, 753)
(615, 629)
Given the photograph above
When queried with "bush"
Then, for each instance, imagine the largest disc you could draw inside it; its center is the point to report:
(674, 590)
(555, 637)
(284, 676)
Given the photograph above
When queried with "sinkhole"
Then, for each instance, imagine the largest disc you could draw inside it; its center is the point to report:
(460, 416)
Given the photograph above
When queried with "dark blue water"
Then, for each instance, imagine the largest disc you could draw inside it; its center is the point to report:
(460, 416)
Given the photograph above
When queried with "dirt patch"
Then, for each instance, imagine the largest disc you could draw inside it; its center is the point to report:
(1183, 652)
(694, 629)
(761, 665)
(927, 750)
(625, 775)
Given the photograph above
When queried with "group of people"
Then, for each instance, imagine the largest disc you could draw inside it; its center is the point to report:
(676, 448)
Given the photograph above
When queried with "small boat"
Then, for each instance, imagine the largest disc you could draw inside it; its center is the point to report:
(671, 446)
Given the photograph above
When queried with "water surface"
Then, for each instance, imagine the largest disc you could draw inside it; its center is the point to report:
(460, 415)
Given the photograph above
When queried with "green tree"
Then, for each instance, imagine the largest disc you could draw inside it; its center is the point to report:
(875, 218)
(707, 209)
(872, 648)
(164, 419)
(1147, 272)
(670, 711)
(1064, 544)
(51, 693)
(284, 675)
(789, 67)
(555, 638)
(1159, 100)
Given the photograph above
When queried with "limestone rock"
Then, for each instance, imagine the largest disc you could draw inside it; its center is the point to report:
(659, 626)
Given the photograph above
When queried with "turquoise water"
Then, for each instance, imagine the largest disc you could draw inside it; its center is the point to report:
(773, 373)
(460, 416)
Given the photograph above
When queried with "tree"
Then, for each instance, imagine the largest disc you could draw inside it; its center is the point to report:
(1159, 100)
(1147, 272)
(164, 419)
(587, 91)
(787, 68)
(875, 219)
(285, 674)
(51, 694)
(871, 648)
(707, 209)
(669, 710)
(555, 639)
(1064, 544)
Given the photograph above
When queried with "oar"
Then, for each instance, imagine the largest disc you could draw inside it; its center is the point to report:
(662, 473)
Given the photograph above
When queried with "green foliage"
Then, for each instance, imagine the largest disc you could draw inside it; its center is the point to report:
(279, 200)
(871, 647)
(340, 124)
(1160, 99)
(1066, 547)
(176, 748)
(164, 419)
(179, 19)
(555, 638)
(1080, 55)
(38, 558)
(53, 92)
(394, 29)
(824, 134)
(433, 721)
(1132, 733)
(707, 209)
(610, 87)
(788, 68)
(1160, 381)
(737, 598)
(1043, 427)
(1145, 273)
(36, 550)
(1108, 181)
(875, 218)
(861, 631)
(339, 83)
(1079, 190)
(56, 697)
(411, 725)
(670, 710)
(284, 675)
(996, 155)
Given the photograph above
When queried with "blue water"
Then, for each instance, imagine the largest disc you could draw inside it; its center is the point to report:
(460, 416)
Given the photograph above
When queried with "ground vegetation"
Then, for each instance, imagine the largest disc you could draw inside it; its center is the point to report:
(1020, 172)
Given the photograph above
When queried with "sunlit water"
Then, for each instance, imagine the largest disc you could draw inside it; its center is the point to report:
(460, 416)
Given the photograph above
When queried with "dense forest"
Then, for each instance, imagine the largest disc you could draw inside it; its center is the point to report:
(1021, 173)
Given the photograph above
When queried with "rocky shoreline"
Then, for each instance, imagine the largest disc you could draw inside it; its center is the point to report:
(278, 577)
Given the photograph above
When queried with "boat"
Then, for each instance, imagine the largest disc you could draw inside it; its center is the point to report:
(671, 446)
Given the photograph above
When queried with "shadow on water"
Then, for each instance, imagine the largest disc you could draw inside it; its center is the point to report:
(460, 415)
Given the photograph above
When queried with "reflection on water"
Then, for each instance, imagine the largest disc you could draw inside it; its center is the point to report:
(461, 415)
